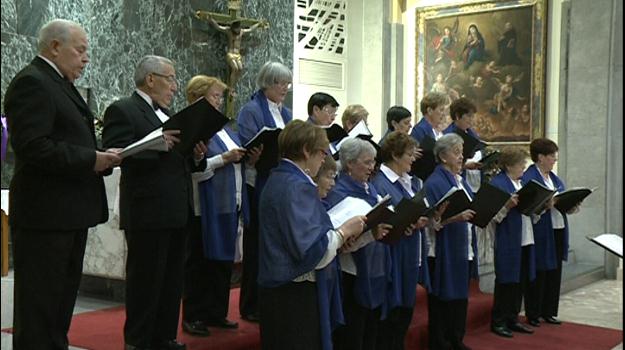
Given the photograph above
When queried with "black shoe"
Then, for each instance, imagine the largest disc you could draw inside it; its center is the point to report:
(132, 347)
(461, 346)
(171, 345)
(196, 328)
(519, 327)
(552, 320)
(502, 331)
(534, 322)
(251, 317)
(223, 323)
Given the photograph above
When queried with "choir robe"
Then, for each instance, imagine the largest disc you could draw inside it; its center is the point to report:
(373, 261)
(422, 129)
(544, 241)
(405, 254)
(508, 236)
(252, 117)
(219, 212)
(451, 272)
(293, 238)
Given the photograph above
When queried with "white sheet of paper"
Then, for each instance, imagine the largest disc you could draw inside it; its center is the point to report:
(347, 209)
(153, 141)
(610, 241)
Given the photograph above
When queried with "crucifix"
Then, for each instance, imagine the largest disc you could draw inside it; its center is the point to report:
(234, 27)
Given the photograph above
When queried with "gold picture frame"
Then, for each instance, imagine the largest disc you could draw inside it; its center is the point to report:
(492, 52)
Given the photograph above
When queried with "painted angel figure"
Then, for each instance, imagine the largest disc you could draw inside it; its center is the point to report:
(444, 44)
(506, 91)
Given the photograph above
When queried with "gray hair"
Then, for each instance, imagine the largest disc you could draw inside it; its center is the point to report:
(56, 29)
(272, 73)
(149, 64)
(445, 143)
(352, 149)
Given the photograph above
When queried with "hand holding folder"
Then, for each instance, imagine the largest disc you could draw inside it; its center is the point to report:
(197, 122)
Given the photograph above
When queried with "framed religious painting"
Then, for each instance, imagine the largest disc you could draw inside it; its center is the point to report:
(492, 53)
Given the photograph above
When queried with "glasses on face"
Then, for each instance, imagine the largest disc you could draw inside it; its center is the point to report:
(217, 97)
(369, 162)
(284, 84)
(331, 111)
(323, 152)
(170, 78)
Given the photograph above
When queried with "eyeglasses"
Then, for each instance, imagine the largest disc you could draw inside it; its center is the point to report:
(284, 84)
(324, 152)
(170, 78)
(330, 110)
(217, 97)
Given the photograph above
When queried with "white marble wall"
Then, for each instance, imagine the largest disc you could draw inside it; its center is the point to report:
(105, 255)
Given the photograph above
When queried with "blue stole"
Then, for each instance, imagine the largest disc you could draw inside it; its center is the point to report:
(252, 117)
(293, 239)
(405, 271)
(422, 129)
(451, 272)
(544, 241)
(452, 128)
(219, 212)
(373, 261)
(508, 237)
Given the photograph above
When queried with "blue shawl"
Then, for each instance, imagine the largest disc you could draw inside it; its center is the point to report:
(544, 241)
(508, 234)
(373, 261)
(405, 254)
(219, 214)
(451, 272)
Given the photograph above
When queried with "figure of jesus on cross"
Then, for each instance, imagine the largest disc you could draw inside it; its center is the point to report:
(234, 27)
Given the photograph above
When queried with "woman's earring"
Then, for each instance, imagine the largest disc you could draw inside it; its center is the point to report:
(307, 171)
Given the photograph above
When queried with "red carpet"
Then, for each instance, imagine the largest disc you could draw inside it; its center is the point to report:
(102, 330)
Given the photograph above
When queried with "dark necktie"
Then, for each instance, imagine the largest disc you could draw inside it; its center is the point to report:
(155, 106)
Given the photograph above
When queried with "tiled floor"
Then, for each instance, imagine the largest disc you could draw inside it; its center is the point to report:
(598, 304)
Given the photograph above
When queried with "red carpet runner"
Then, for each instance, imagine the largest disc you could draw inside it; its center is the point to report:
(102, 330)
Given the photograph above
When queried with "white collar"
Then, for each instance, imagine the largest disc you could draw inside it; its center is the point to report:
(145, 96)
(51, 64)
(273, 104)
(300, 169)
(390, 174)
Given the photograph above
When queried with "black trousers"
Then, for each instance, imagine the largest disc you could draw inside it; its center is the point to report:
(154, 279)
(508, 297)
(544, 295)
(48, 268)
(248, 301)
(392, 330)
(206, 293)
(361, 324)
(447, 319)
(289, 317)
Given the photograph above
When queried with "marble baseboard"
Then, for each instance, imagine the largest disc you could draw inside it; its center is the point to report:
(103, 288)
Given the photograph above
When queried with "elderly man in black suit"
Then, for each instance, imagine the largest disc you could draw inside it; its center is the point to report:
(155, 207)
(57, 191)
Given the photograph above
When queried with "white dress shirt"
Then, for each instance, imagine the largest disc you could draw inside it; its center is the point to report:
(557, 220)
(159, 113)
(275, 109)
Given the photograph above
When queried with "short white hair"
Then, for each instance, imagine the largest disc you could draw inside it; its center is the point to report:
(272, 73)
(445, 143)
(352, 149)
(149, 64)
(56, 29)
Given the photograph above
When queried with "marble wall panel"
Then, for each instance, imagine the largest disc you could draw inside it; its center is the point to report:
(120, 32)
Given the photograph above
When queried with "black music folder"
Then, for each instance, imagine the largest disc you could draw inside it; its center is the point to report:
(268, 137)
(458, 200)
(487, 203)
(335, 133)
(197, 122)
(532, 197)
(379, 213)
(490, 159)
(406, 213)
(471, 144)
(610, 242)
(565, 201)
(424, 166)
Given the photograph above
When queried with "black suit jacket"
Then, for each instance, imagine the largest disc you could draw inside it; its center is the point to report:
(155, 187)
(54, 186)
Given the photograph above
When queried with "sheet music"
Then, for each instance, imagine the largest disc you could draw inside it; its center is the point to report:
(347, 209)
(610, 241)
(152, 141)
